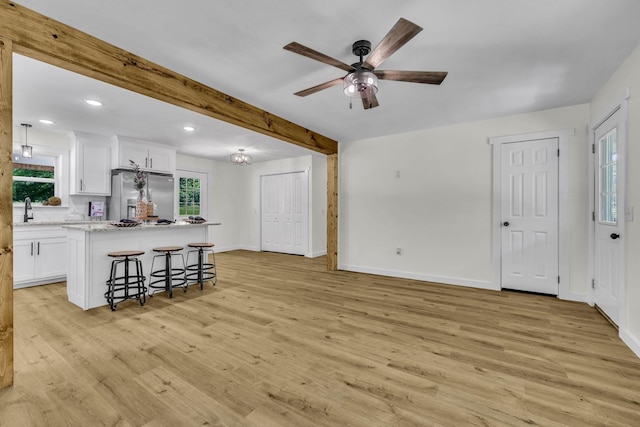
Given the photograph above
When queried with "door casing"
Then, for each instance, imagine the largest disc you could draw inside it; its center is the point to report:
(563, 135)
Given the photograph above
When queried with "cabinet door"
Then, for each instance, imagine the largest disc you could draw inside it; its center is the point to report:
(23, 258)
(133, 151)
(161, 160)
(94, 164)
(51, 257)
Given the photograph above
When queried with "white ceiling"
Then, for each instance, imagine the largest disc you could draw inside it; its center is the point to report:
(503, 57)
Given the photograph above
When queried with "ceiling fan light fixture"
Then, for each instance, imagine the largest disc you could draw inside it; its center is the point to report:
(360, 84)
(240, 158)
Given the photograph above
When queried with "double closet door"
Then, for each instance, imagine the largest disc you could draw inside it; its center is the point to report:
(285, 213)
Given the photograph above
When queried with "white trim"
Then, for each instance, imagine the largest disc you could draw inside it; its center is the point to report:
(236, 248)
(532, 136)
(564, 288)
(624, 119)
(480, 284)
(631, 341)
(317, 254)
(204, 195)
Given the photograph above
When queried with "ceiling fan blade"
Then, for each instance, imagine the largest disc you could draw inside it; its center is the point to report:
(428, 77)
(314, 54)
(319, 87)
(370, 102)
(401, 33)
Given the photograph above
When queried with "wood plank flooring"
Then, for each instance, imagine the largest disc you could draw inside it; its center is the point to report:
(282, 342)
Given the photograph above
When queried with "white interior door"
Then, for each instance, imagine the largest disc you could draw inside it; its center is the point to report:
(609, 216)
(529, 240)
(285, 213)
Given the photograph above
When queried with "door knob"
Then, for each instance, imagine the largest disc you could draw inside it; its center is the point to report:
(615, 236)
(506, 223)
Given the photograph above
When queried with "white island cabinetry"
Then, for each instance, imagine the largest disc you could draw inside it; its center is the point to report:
(40, 255)
(148, 155)
(89, 265)
(90, 165)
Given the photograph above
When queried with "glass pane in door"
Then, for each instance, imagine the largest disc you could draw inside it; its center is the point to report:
(607, 147)
(189, 196)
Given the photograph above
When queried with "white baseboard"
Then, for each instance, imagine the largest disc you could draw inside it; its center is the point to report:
(574, 296)
(422, 277)
(317, 254)
(39, 282)
(631, 341)
(236, 248)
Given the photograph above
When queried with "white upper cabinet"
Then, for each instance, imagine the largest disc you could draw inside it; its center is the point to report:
(90, 165)
(148, 155)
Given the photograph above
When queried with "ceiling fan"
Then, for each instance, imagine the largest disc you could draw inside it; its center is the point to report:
(362, 77)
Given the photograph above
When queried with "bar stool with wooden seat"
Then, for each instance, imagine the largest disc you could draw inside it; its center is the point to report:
(170, 276)
(123, 283)
(201, 264)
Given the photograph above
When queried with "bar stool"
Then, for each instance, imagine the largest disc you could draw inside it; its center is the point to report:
(168, 277)
(199, 268)
(123, 285)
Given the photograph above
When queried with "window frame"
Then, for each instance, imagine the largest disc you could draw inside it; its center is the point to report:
(204, 181)
(61, 167)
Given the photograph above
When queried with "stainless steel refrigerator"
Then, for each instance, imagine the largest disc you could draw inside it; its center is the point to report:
(159, 190)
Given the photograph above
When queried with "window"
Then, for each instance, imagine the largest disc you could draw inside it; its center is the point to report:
(191, 193)
(34, 178)
(189, 196)
(608, 177)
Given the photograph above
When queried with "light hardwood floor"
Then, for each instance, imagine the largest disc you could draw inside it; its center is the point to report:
(282, 342)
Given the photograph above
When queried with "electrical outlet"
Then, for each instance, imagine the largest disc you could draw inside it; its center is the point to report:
(398, 251)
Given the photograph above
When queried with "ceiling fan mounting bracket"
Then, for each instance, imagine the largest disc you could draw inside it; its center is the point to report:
(361, 48)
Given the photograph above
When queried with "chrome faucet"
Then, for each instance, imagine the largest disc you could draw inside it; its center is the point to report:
(27, 207)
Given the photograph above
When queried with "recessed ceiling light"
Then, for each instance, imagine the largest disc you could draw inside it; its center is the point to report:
(46, 122)
(189, 128)
(93, 102)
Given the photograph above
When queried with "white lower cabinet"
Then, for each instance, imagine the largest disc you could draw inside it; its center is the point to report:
(39, 255)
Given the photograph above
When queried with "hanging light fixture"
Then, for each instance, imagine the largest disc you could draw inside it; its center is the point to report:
(27, 150)
(240, 158)
(362, 83)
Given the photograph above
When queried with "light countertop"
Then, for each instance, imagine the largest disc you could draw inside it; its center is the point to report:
(56, 223)
(106, 226)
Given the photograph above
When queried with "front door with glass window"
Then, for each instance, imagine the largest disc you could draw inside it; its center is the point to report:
(609, 217)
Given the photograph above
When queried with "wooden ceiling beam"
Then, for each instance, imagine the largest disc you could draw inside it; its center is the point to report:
(42, 38)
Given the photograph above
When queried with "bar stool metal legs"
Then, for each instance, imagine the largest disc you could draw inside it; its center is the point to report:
(125, 285)
(169, 277)
(201, 264)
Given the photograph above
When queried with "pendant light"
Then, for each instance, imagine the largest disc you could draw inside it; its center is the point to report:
(240, 158)
(27, 150)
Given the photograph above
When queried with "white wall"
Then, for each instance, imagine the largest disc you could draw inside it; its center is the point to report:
(429, 193)
(611, 94)
(317, 168)
(318, 206)
(225, 201)
(234, 198)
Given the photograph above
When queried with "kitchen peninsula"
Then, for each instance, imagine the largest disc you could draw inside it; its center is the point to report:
(88, 245)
